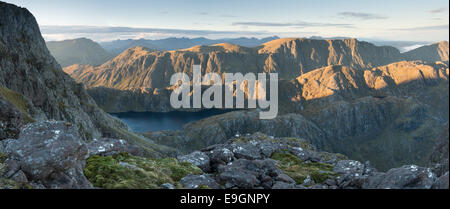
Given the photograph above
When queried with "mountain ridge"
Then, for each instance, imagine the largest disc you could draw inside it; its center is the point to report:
(169, 44)
(136, 67)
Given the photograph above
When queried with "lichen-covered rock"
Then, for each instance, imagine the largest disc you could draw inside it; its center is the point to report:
(220, 156)
(442, 182)
(283, 185)
(199, 159)
(51, 153)
(406, 177)
(349, 167)
(247, 174)
(255, 161)
(167, 186)
(199, 181)
(108, 146)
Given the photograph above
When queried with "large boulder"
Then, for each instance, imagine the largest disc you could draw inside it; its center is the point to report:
(199, 181)
(199, 159)
(442, 182)
(109, 146)
(51, 154)
(10, 119)
(406, 177)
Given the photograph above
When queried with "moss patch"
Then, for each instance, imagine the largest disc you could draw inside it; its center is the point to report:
(124, 171)
(11, 184)
(19, 101)
(3, 158)
(299, 171)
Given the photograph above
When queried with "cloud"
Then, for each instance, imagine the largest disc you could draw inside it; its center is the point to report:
(296, 24)
(425, 28)
(101, 29)
(361, 16)
(439, 10)
(228, 16)
(100, 33)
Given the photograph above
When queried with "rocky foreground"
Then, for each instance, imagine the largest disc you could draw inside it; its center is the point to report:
(51, 154)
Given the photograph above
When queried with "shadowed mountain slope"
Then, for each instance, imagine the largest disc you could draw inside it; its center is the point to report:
(78, 51)
(432, 53)
(32, 80)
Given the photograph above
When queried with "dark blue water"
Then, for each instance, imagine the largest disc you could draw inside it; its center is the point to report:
(150, 121)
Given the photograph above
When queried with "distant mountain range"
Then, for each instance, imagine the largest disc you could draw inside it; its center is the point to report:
(87, 52)
(142, 68)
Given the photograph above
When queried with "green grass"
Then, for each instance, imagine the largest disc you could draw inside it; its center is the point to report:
(138, 172)
(299, 171)
(19, 101)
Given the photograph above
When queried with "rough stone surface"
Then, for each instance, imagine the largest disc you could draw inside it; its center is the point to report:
(108, 146)
(50, 153)
(442, 182)
(10, 120)
(196, 181)
(406, 177)
(199, 159)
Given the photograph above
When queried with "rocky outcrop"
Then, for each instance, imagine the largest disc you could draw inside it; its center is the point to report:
(259, 161)
(439, 156)
(81, 51)
(50, 155)
(218, 129)
(10, 120)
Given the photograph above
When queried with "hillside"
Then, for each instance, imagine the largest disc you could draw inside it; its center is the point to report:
(33, 81)
(432, 53)
(389, 111)
(78, 51)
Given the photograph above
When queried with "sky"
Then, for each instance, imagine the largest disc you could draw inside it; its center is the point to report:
(106, 20)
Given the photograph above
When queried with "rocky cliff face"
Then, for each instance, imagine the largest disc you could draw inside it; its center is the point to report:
(78, 51)
(439, 156)
(35, 84)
